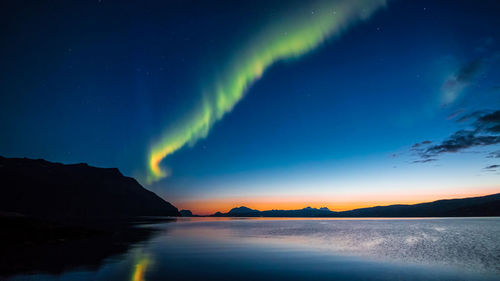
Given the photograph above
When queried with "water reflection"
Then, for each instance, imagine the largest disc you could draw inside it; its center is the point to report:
(101, 242)
(304, 249)
(140, 268)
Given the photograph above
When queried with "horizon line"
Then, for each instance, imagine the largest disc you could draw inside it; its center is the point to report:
(348, 210)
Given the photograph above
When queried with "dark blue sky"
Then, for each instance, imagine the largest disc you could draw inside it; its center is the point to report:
(100, 81)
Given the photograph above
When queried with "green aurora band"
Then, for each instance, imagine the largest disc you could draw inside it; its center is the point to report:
(290, 37)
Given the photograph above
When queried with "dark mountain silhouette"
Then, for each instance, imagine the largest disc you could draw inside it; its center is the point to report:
(56, 217)
(44, 189)
(247, 212)
(238, 211)
(186, 213)
(305, 212)
(466, 207)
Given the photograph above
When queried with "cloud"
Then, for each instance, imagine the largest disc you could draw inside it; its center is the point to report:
(467, 72)
(460, 80)
(492, 167)
(494, 154)
(419, 144)
(490, 122)
(485, 130)
(425, 160)
(473, 115)
(459, 141)
(454, 114)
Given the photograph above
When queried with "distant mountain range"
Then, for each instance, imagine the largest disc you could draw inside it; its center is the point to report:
(43, 189)
(186, 213)
(466, 207)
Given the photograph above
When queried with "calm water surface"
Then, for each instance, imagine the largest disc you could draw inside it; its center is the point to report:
(306, 249)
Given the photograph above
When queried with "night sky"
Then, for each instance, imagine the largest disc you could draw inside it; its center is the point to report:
(267, 104)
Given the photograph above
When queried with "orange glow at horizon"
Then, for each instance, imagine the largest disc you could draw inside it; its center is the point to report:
(208, 206)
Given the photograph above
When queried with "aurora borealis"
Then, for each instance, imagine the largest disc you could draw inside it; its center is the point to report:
(287, 38)
(266, 104)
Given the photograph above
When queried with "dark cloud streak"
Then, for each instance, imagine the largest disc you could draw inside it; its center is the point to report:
(494, 154)
(419, 144)
(485, 131)
(425, 160)
(492, 167)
